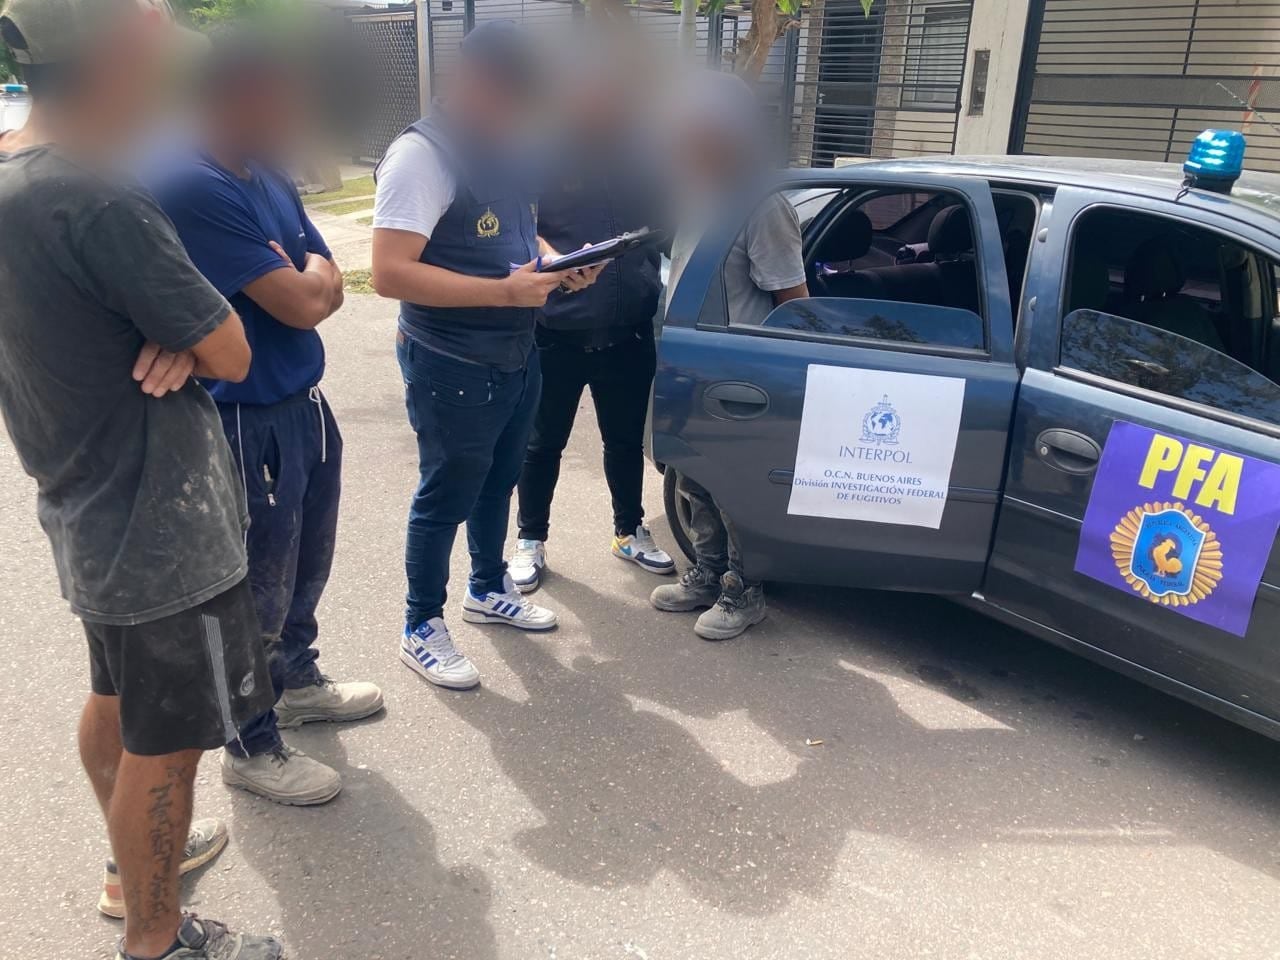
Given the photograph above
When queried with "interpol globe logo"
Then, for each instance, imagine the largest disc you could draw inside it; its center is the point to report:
(1167, 554)
(881, 425)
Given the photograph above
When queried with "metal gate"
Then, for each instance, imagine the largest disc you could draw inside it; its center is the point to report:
(1140, 78)
(884, 85)
(840, 84)
(391, 39)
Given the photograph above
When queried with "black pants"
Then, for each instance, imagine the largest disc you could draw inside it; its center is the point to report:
(620, 377)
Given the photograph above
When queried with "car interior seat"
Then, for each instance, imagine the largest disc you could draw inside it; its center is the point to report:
(1090, 280)
(1153, 281)
(951, 242)
(849, 240)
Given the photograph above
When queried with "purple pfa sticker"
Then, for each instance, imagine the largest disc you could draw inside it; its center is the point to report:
(1181, 524)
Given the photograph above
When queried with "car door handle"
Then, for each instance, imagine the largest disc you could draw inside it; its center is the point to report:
(1068, 451)
(732, 400)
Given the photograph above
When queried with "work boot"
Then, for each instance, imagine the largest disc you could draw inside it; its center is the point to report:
(205, 840)
(209, 940)
(697, 587)
(327, 700)
(739, 607)
(285, 775)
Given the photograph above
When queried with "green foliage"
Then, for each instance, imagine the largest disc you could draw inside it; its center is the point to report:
(791, 8)
(8, 68)
(213, 11)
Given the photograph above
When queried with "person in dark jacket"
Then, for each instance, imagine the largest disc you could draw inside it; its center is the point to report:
(602, 185)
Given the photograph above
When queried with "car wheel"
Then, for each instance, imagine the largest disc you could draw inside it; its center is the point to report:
(677, 507)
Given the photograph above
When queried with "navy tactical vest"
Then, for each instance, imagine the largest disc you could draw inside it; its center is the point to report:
(491, 224)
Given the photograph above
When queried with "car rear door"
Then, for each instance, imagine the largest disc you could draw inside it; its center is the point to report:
(852, 441)
(1125, 432)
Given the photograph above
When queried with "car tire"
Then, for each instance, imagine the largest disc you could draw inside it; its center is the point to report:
(677, 508)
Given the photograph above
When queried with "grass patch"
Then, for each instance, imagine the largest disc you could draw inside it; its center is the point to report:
(347, 206)
(358, 281)
(359, 187)
(365, 221)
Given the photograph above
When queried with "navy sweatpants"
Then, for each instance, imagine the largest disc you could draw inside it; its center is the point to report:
(290, 455)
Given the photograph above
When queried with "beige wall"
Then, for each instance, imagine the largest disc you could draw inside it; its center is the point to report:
(998, 26)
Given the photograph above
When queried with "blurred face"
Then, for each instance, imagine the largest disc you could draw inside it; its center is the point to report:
(486, 102)
(263, 115)
(126, 75)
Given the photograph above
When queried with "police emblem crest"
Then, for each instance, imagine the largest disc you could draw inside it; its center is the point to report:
(488, 225)
(1167, 554)
(881, 423)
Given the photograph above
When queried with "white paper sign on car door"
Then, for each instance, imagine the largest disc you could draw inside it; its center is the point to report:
(876, 445)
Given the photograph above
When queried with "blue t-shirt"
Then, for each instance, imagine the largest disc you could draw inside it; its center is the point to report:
(226, 223)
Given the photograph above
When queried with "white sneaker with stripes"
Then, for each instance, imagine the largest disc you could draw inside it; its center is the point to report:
(429, 652)
(510, 607)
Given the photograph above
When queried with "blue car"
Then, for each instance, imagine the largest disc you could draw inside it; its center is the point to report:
(1047, 387)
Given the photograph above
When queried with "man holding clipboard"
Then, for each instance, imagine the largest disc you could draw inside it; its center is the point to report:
(454, 212)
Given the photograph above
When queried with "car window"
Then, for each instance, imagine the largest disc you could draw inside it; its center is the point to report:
(889, 212)
(895, 323)
(864, 244)
(1173, 308)
(811, 202)
(1154, 359)
(858, 281)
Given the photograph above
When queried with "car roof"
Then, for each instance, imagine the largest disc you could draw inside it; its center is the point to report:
(1255, 191)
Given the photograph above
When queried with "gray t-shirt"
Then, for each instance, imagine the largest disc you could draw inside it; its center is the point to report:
(139, 496)
(767, 256)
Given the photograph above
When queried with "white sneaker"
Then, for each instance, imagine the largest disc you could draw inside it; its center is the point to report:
(641, 550)
(510, 607)
(286, 776)
(429, 652)
(527, 563)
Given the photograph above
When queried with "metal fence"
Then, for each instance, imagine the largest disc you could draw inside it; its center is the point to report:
(391, 39)
(1141, 78)
(882, 85)
(840, 83)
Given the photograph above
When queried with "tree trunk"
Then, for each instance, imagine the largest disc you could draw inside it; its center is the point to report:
(688, 27)
(767, 25)
(807, 88)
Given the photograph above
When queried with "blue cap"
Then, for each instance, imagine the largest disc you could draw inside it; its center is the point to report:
(1216, 157)
(504, 49)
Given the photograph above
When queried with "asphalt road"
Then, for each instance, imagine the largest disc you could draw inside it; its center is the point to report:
(863, 776)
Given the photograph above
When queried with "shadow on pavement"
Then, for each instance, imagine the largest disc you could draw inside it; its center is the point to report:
(923, 718)
(360, 876)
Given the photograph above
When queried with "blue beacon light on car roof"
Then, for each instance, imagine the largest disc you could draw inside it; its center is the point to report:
(1215, 160)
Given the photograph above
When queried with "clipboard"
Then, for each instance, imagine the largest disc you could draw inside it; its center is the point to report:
(602, 252)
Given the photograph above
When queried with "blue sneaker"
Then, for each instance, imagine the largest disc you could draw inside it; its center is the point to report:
(641, 550)
(429, 652)
(510, 607)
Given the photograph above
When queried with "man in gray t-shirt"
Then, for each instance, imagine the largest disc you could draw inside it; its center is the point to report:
(103, 321)
(765, 266)
(720, 149)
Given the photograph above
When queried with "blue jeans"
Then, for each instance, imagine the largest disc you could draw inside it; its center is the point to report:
(290, 456)
(473, 424)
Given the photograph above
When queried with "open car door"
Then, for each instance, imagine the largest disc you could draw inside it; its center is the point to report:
(857, 437)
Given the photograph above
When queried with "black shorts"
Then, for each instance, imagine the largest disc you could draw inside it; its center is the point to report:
(190, 681)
